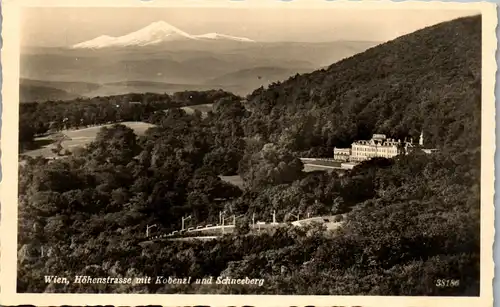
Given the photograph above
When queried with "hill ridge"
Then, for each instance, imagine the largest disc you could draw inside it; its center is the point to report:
(419, 81)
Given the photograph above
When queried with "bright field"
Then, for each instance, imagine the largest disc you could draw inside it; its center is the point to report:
(81, 137)
(203, 108)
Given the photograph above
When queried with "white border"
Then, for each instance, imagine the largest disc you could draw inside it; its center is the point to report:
(9, 159)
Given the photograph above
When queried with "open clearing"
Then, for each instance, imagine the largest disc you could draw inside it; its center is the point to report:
(79, 138)
(312, 168)
(321, 162)
(203, 108)
(235, 180)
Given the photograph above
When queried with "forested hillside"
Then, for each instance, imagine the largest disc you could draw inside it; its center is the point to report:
(31, 92)
(429, 80)
(411, 222)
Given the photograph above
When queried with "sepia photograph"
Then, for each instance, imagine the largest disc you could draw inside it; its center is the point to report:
(250, 150)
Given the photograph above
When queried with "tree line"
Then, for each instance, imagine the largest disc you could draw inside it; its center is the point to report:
(39, 118)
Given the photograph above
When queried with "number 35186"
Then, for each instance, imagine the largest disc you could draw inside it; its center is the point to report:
(445, 283)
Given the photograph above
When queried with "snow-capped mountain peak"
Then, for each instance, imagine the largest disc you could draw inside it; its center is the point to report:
(161, 25)
(159, 28)
(155, 33)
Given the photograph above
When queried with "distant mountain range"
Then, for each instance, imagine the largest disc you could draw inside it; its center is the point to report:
(148, 60)
(154, 34)
(240, 82)
(36, 90)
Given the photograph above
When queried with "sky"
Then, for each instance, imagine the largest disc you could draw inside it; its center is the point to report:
(56, 27)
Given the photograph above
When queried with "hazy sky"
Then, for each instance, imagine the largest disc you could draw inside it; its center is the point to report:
(67, 26)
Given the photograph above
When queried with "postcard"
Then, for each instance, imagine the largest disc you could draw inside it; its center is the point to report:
(257, 152)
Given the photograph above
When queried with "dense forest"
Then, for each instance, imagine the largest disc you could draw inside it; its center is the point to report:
(410, 221)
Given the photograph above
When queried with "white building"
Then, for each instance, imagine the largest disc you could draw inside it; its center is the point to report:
(379, 146)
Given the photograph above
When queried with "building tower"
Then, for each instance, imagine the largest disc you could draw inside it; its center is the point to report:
(421, 141)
